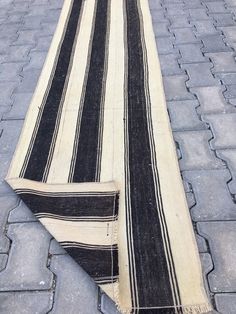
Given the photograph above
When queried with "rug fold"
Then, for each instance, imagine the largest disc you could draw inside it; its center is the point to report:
(96, 161)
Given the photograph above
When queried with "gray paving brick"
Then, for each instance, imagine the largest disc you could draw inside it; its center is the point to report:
(165, 45)
(20, 7)
(10, 135)
(3, 261)
(211, 99)
(32, 22)
(5, 189)
(161, 29)
(16, 54)
(107, 305)
(230, 91)
(56, 249)
(227, 78)
(158, 16)
(198, 14)
(152, 4)
(26, 37)
(48, 28)
(201, 243)
(207, 266)
(25, 302)
(191, 53)
(75, 290)
(37, 9)
(175, 9)
(223, 19)
(183, 115)
(179, 22)
(16, 17)
(204, 28)
(193, 4)
(214, 43)
(200, 75)
(175, 88)
(7, 89)
(3, 110)
(9, 31)
(230, 3)
(11, 71)
(6, 205)
(229, 156)
(226, 303)
(4, 165)
(223, 61)
(229, 32)
(195, 150)
(29, 81)
(43, 43)
(213, 199)
(216, 7)
(37, 59)
(184, 36)
(20, 106)
(223, 249)
(169, 64)
(222, 126)
(27, 264)
(21, 213)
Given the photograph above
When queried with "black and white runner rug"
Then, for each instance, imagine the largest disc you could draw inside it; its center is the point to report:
(96, 160)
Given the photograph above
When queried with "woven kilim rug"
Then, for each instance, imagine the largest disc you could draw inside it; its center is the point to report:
(96, 161)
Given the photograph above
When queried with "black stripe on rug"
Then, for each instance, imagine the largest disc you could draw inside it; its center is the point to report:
(151, 286)
(41, 147)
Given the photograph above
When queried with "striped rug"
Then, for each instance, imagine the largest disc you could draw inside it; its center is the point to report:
(96, 161)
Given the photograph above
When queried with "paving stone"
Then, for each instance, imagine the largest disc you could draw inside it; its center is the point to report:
(16, 54)
(200, 75)
(183, 115)
(211, 99)
(43, 43)
(55, 248)
(152, 4)
(29, 81)
(21, 213)
(161, 29)
(191, 53)
(226, 303)
(193, 4)
(54, 13)
(37, 59)
(230, 3)
(3, 261)
(4, 165)
(204, 28)
(216, 7)
(16, 17)
(195, 150)
(201, 243)
(27, 264)
(207, 266)
(169, 64)
(229, 32)
(175, 9)
(20, 7)
(227, 78)
(223, 249)
(214, 43)
(223, 19)
(25, 302)
(3, 110)
(11, 71)
(175, 88)
(223, 61)
(19, 108)
(7, 89)
(75, 290)
(10, 135)
(48, 28)
(230, 91)
(36, 10)
(165, 45)
(26, 37)
(158, 16)
(5, 189)
(213, 199)
(184, 36)
(32, 22)
(9, 31)
(179, 22)
(107, 305)
(229, 156)
(222, 126)
(198, 14)
(6, 205)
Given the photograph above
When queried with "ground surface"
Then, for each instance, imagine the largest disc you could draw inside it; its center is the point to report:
(196, 41)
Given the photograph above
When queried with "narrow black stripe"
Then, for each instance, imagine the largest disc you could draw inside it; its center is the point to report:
(72, 206)
(152, 276)
(39, 155)
(97, 263)
(86, 159)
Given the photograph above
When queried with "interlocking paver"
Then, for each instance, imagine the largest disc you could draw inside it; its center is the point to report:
(175, 88)
(21, 213)
(11, 71)
(158, 16)
(32, 22)
(26, 37)
(10, 135)
(214, 43)
(229, 32)
(223, 126)
(19, 108)
(183, 115)
(75, 290)
(204, 28)
(211, 99)
(9, 31)
(6, 205)
(3, 261)
(201, 243)
(56, 249)
(43, 43)
(200, 75)
(16, 54)
(161, 29)
(198, 14)
(179, 22)
(213, 199)
(48, 28)
(193, 4)
(7, 89)
(25, 302)
(195, 150)
(216, 7)
(169, 65)
(27, 265)
(107, 306)
(226, 303)
(223, 249)
(184, 36)
(191, 53)
(230, 91)
(165, 45)
(29, 81)
(37, 59)
(227, 78)
(229, 155)
(175, 9)
(223, 61)
(223, 19)
(207, 266)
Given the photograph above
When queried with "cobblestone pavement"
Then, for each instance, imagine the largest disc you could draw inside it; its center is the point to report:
(196, 41)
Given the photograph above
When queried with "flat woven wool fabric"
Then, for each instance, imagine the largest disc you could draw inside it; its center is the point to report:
(96, 161)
